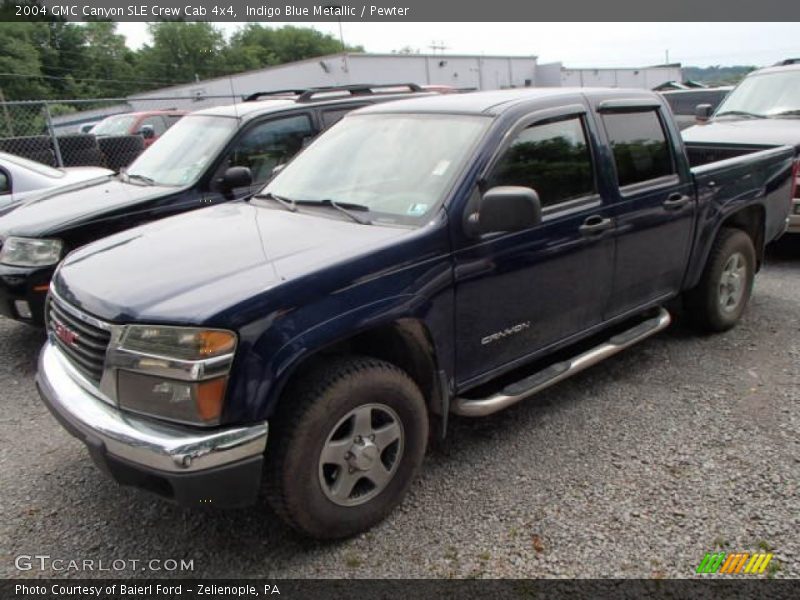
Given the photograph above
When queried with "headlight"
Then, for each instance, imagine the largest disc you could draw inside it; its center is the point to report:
(30, 252)
(174, 373)
(185, 343)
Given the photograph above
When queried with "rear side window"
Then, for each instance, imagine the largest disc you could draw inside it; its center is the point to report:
(5, 184)
(331, 117)
(640, 146)
(552, 158)
(156, 122)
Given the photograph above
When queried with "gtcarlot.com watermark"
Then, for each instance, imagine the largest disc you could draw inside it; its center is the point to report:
(45, 562)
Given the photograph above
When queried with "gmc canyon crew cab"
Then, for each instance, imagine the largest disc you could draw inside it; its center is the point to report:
(763, 111)
(445, 255)
(208, 157)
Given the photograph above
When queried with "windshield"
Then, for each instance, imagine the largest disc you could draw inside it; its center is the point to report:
(397, 166)
(765, 95)
(119, 125)
(181, 155)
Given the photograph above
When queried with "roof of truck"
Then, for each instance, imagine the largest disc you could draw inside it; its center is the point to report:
(279, 100)
(496, 101)
(779, 68)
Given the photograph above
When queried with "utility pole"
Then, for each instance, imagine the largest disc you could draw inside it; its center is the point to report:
(434, 46)
(666, 57)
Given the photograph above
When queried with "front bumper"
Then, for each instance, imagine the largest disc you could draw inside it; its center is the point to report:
(25, 284)
(190, 466)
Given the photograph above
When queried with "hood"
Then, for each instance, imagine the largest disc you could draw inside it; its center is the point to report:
(758, 132)
(51, 211)
(76, 174)
(187, 268)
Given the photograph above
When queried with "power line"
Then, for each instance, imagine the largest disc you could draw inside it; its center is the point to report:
(94, 79)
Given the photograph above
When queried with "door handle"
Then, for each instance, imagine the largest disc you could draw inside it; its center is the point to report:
(595, 224)
(676, 201)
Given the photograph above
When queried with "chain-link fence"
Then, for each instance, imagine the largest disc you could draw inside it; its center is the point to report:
(107, 132)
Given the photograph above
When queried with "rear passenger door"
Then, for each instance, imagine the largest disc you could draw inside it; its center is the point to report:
(518, 292)
(654, 207)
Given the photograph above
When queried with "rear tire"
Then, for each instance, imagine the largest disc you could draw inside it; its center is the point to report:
(346, 444)
(721, 296)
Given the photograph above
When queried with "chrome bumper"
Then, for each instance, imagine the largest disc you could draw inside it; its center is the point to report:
(145, 442)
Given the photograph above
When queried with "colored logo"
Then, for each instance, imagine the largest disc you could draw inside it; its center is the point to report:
(741, 563)
(65, 334)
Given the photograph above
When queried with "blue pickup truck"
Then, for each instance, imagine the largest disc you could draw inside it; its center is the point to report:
(437, 256)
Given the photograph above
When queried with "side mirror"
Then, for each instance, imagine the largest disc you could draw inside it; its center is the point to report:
(147, 132)
(235, 177)
(508, 208)
(703, 112)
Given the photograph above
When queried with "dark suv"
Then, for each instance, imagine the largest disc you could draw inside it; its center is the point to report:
(208, 157)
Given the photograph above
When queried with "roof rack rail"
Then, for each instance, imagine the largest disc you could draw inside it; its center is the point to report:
(357, 89)
(255, 96)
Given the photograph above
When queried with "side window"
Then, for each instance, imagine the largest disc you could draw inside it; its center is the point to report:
(331, 117)
(552, 158)
(641, 152)
(5, 184)
(156, 122)
(268, 145)
(172, 119)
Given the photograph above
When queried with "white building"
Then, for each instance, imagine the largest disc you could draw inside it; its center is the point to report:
(556, 75)
(461, 71)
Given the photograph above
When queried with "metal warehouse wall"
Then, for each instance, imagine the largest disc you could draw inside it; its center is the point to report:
(460, 71)
(554, 75)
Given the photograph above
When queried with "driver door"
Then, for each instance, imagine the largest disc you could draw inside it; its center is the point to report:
(519, 292)
(261, 147)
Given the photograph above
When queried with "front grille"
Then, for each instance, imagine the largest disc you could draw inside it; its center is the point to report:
(83, 343)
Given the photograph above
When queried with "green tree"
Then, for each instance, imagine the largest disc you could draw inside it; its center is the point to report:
(112, 63)
(256, 46)
(181, 52)
(20, 64)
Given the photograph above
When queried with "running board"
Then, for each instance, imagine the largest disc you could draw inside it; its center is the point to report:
(513, 393)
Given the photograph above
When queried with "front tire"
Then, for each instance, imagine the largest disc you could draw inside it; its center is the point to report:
(719, 299)
(349, 438)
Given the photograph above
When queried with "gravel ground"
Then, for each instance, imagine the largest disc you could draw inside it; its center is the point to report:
(636, 468)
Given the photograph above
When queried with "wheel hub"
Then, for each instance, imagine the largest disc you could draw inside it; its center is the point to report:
(363, 454)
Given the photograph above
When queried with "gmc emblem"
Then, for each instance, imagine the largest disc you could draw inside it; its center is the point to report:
(64, 333)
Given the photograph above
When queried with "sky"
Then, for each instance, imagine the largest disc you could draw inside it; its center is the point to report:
(574, 44)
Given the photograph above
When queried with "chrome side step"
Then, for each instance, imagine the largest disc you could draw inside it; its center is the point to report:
(524, 388)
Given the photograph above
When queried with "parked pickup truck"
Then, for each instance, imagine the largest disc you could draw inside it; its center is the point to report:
(208, 157)
(433, 256)
(763, 111)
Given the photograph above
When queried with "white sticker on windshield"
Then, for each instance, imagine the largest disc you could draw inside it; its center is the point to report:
(441, 168)
(416, 210)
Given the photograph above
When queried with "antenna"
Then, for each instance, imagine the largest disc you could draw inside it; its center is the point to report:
(235, 107)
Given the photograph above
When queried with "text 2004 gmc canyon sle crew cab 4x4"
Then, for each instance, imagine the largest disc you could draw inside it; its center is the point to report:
(452, 254)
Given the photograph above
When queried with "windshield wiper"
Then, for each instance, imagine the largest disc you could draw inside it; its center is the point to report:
(123, 173)
(786, 113)
(740, 113)
(290, 205)
(343, 207)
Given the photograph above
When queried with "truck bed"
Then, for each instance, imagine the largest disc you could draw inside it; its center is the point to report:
(751, 176)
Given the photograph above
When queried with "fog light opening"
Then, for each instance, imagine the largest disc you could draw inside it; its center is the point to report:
(23, 309)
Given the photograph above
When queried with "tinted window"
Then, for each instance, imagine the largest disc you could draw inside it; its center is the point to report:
(156, 122)
(685, 103)
(552, 158)
(640, 146)
(5, 186)
(268, 145)
(330, 117)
